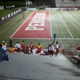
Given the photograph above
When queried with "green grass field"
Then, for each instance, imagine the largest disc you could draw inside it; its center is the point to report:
(6, 11)
(66, 24)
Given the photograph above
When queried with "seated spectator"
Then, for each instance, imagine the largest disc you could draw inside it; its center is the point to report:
(42, 53)
(57, 48)
(31, 46)
(3, 55)
(3, 42)
(18, 47)
(52, 49)
(23, 47)
(10, 42)
(27, 50)
(4, 45)
(34, 51)
(77, 47)
(49, 48)
(39, 47)
(12, 49)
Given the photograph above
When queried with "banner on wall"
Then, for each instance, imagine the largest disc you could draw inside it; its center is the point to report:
(3, 18)
(9, 15)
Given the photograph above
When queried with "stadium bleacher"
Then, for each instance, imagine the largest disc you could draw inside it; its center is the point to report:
(67, 3)
(36, 67)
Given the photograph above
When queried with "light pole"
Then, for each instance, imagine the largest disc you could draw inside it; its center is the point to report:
(29, 2)
(26, 4)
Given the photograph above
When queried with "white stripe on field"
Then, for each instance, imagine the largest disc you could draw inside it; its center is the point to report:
(65, 25)
(68, 38)
(50, 24)
(78, 15)
(73, 18)
(50, 38)
(72, 22)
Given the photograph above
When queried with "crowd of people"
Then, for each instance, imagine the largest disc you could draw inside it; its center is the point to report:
(51, 49)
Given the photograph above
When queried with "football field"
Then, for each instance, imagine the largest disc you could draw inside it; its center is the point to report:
(65, 24)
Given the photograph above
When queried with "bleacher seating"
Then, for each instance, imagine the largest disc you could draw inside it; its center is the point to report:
(78, 0)
(67, 3)
(78, 4)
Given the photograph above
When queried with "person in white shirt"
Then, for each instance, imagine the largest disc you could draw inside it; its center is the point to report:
(18, 47)
(4, 46)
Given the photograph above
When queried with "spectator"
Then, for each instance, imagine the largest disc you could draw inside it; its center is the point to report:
(57, 48)
(3, 55)
(39, 47)
(54, 37)
(18, 47)
(31, 46)
(3, 42)
(52, 48)
(27, 50)
(49, 48)
(23, 46)
(10, 42)
(4, 45)
(77, 47)
(12, 49)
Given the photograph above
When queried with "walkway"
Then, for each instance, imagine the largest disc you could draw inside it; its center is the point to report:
(36, 67)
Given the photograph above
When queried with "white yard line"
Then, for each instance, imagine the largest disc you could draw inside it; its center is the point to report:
(73, 18)
(68, 38)
(78, 15)
(65, 25)
(50, 25)
(71, 22)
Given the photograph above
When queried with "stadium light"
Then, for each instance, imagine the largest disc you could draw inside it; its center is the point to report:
(27, 4)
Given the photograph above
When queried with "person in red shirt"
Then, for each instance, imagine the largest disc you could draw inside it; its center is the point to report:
(77, 47)
(31, 46)
(23, 46)
(57, 48)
